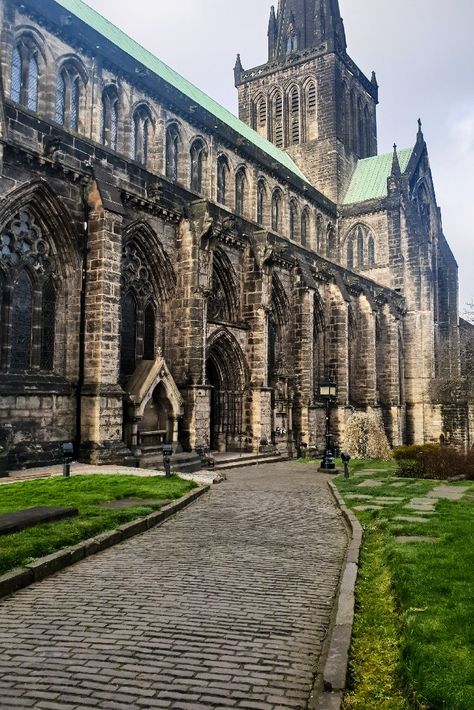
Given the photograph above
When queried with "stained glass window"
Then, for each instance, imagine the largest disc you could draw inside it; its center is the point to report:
(75, 101)
(48, 316)
(293, 219)
(109, 118)
(350, 254)
(149, 333)
(360, 248)
(197, 159)
(304, 228)
(128, 335)
(114, 118)
(240, 191)
(33, 76)
(261, 202)
(276, 211)
(15, 92)
(371, 251)
(172, 152)
(222, 170)
(22, 315)
(60, 110)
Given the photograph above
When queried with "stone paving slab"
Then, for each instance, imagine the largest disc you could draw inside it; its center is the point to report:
(226, 605)
(411, 519)
(371, 483)
(364, 508)
(448, 492)
(407, 539)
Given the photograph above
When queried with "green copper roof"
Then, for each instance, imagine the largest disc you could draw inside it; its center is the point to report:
(155, 65)
(369, 181)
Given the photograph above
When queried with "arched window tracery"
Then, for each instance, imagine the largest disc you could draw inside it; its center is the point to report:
(276, 211)
(311, 111)
(293, 220)
(142, 128)
(305, 227)
(128, 334)
(294, 115)
(277, 119)
(69, 88)
(149, 333)
(197, 157)
(222, 178)
(26, 255)
(110, 117)
(25, 73)
(172, 152)
(261, 198)
(240, 190)
(224, 302)
(319, 233)
(360, 248)
(331, 242)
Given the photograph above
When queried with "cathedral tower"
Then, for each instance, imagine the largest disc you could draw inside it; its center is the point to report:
(310, 98)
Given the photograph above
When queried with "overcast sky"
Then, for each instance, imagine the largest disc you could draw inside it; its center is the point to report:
(422, 51)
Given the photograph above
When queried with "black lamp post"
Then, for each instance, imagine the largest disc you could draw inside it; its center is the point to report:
(328, 393)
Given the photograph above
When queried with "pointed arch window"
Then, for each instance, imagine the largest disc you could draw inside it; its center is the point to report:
(240, 185)
(260, 117)
(360, 248)
(16, 77)
(198, 154)
(25, 73)
(69, 88)
(305, 222)
(22, 315)
(141, 133)
(371, 252)
(294, 112)
(48, 319)
(128, 334)
(172, 152)
(311, 111)
(277, 119)
(319, 233)
(293, 220)
(261, 194)
(110, 117)
(149, 333)
(222, 178)
(350, 254)
(276, 211)
(331, 242)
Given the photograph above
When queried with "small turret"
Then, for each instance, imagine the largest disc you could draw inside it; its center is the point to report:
(238, 70)
(272, 34)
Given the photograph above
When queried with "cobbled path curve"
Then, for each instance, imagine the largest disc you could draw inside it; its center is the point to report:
(224, 606)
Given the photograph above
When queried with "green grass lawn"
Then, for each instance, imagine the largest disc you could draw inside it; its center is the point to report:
(86, 493)
(413, 644)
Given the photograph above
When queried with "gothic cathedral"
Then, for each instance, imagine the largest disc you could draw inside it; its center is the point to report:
(172, 274)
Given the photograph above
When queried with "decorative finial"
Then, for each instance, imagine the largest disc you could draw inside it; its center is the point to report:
(419, 136)
(396, 169)
(374, 80)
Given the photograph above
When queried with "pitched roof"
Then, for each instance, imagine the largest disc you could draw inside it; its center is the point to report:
(112, 33)
(369, 181)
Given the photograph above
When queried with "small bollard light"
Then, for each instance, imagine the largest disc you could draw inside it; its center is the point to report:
(167, 454)
(68, 455)
(345, 460)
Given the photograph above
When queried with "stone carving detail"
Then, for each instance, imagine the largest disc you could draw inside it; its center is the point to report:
(134, 272)
(22, 242)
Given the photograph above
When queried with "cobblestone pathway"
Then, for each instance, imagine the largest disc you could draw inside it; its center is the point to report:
(224, 606)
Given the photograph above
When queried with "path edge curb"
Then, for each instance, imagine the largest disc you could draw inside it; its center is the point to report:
(43, 567)
(336, 663)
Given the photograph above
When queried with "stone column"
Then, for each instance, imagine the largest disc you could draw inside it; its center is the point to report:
(101, 395)
(304, 359)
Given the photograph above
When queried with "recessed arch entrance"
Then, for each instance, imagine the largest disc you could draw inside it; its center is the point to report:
(226, 373)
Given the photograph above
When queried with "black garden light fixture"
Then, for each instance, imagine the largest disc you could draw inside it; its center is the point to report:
(167, 454)
(328, 393)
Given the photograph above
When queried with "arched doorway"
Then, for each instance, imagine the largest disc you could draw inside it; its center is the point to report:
(226, 374)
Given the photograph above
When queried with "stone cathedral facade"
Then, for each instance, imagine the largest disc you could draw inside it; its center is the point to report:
(172, 274)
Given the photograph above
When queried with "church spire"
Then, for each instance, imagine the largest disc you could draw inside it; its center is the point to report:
(306, 24)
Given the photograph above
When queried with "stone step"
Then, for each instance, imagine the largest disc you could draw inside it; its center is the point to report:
(249, 461)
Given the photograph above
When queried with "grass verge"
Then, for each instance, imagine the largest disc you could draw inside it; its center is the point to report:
(86, 493)
(413, 643)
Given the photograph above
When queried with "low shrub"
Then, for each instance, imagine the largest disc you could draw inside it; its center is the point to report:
(434, 462)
